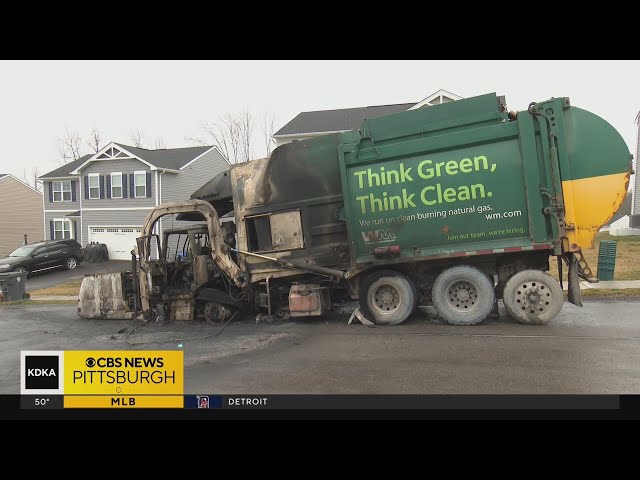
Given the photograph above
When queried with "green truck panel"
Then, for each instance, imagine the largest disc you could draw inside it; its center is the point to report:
(463, 177)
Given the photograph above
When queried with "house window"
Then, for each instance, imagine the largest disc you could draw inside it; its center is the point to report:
(141, 184)
(61, 228)
(62, 191)
(116, 184)
(94, 186)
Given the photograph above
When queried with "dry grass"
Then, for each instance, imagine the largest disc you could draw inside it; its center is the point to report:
(70, 288)
(610, 292)
(627, 258)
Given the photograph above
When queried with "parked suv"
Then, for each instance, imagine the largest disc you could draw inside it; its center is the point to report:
(43, 256)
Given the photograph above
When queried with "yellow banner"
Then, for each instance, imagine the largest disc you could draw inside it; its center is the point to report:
(124, 372)
(140, 401)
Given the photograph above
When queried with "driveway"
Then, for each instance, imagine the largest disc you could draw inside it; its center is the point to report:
(590, 350)
(51, 278)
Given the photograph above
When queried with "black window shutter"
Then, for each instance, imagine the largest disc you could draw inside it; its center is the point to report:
(86, 187)
(51, 230)
(50, 191)
(101, 186)
(132, 185)
(124, 185)
(148, 184)
(75, 230)
(73, 190)
(108, 186)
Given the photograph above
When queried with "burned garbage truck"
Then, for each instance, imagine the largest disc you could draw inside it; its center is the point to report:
(453, 205)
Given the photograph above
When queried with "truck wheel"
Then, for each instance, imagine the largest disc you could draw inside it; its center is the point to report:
(533, 297)
(463, 295)
(387, 297)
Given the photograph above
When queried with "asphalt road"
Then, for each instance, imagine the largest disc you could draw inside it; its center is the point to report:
(53, 277)
(595, 349)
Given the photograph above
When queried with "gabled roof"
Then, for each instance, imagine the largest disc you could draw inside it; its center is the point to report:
(2, 175)
(327, 121)
(168, 158)
(65, 170)
(437, 98)
(171, 158)
(337, 120)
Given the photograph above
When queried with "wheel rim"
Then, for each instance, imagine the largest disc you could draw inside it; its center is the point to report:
(385, 298)
(71, 263)
(20, 270)
(533, 298)
(462, 296)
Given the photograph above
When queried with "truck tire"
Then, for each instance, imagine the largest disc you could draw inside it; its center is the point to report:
(463, 295)
(387, 297)
(533, 297)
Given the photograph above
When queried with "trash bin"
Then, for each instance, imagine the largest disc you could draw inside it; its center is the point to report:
(12, 286)
(607, 259)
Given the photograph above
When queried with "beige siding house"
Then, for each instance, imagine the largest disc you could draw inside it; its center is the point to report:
(21, 214)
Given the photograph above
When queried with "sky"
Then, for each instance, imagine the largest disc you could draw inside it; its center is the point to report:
(171, 99)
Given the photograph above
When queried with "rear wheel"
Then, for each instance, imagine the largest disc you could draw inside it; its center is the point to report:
(533, 297)
(71, 263)
(463, 295)
(387, 297)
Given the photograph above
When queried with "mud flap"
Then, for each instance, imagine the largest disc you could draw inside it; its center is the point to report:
(574, 296)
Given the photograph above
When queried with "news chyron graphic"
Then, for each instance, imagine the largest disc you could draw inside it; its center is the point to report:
(106, 378)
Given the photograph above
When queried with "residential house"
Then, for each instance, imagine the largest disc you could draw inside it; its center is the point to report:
(105, 197)
(21, 210)
(322, 122)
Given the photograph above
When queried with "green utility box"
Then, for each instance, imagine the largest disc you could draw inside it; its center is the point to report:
(12, 286)
(607, 259)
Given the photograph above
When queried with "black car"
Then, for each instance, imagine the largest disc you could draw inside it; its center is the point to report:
(43, 256)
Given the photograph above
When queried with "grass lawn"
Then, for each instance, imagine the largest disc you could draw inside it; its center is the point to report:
(70, 288)
(627, 258)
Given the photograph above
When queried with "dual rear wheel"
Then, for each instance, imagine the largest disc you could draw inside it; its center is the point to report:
(462, 295)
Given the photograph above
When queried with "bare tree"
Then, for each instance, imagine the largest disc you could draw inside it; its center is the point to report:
(137, 137)
(160, 143)
(30, 177)
(95, 140)
(69, 146)
(233, 134)
(268, 127)
(246, 128)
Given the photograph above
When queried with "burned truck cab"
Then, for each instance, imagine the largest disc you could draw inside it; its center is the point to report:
(184, 265)
(193, 270)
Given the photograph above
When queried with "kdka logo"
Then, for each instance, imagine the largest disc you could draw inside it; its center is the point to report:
(41, 372)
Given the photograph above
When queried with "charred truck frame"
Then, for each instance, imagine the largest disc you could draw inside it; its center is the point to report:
(454, 205)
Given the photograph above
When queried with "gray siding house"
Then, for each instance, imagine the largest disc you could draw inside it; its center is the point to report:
(104, 197)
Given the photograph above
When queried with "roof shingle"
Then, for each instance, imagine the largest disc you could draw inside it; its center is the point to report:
(335, 120)
(65, 170)
(172, 158)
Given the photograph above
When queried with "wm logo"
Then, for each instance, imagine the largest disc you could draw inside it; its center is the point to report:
(378, 236)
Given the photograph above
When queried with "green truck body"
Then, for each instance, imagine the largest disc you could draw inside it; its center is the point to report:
(463, 178)
(454, 205)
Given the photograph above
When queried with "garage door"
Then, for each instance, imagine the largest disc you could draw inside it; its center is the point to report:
(119, 240)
